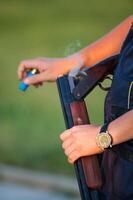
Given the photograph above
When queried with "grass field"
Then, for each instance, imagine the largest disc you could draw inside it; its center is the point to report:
(31, 122)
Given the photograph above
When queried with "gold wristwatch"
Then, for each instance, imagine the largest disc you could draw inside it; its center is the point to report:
(104, 139)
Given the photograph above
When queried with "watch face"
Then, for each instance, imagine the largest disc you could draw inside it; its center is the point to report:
(104, 140)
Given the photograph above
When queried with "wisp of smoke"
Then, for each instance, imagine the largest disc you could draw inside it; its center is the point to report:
(72, 48)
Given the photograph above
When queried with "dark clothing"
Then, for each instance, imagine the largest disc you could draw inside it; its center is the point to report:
(117, 168)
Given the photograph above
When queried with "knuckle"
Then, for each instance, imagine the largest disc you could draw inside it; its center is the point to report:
(20, 67)
(66, 152)
(70, 157)
(76, 156)
(74, 128)
(70, 161)
(22, 62)
(61, 136)
(63, 146)
(73, 156)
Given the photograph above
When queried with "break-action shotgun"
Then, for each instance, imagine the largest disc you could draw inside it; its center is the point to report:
(73, 88)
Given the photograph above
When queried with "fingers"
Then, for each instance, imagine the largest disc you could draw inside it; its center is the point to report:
(36, 79)
(47, 71)
(70, 151)
(65, 134)
(24, 66)
(38, 84)
(73, 157)
(28, 65)
(69, 145)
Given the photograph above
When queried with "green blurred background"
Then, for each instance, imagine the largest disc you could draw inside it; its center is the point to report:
(30, 122)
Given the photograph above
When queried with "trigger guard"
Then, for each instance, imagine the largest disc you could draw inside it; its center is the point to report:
(102, 87)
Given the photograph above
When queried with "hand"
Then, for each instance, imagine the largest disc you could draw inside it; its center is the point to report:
(80, 141)
(48, 68)
(47, 71)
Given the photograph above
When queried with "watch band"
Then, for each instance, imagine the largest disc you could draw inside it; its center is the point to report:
(104, 127)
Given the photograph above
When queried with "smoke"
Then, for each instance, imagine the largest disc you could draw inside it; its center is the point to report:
(72, 48)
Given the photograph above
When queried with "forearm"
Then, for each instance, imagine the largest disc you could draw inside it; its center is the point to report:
(108, 45)
(121, 129)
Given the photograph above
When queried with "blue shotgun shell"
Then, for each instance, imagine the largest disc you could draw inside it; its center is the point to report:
(23, 86)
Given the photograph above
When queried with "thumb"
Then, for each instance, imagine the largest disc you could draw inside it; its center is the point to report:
(34, 79)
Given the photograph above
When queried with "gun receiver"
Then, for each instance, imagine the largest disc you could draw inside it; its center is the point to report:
(89, 78)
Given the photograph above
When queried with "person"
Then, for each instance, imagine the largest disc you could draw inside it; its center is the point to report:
(117, 168)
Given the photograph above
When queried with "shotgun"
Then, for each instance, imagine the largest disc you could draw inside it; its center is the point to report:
(73, 88)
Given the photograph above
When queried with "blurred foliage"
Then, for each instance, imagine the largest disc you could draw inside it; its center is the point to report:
(31, 122)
